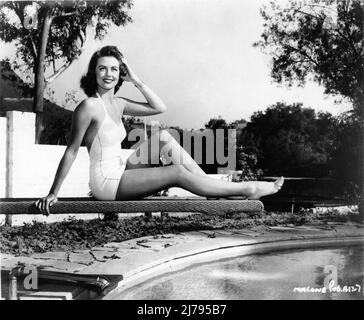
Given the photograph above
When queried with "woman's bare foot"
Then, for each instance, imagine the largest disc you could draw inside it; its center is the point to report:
(259, 189)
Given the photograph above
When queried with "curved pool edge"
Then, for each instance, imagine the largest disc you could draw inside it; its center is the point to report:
(188, 259)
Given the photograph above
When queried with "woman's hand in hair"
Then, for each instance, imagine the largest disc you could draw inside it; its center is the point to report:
(127, 74)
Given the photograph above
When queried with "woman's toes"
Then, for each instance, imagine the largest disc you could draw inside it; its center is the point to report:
(279, 183)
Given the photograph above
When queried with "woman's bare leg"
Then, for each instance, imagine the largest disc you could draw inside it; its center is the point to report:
(143, 182)
(167, 147)
(171, 149)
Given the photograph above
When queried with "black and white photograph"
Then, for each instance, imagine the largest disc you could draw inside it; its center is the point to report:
(181, 155)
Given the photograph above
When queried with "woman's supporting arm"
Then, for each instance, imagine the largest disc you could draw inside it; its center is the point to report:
(80, 122)
(64, 166)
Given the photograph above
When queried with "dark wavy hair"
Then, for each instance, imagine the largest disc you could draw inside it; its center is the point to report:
(88, 81)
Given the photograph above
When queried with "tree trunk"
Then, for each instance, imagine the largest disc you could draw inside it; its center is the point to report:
(39, 74)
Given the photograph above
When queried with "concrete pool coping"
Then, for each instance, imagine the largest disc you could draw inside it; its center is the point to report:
(140, 259)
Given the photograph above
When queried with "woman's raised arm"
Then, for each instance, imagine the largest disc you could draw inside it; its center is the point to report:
(81, 120)
(154, 104)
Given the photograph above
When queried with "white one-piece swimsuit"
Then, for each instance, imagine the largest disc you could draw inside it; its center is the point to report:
(107, 159)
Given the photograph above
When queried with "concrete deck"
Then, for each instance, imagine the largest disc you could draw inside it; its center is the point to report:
(140, 258)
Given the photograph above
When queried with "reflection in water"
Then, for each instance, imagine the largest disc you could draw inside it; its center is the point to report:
(234, 275)
(266, 276)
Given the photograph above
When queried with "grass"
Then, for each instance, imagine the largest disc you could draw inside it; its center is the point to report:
(75, 234)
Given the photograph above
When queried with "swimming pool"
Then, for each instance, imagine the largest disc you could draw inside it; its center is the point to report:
(289, 274)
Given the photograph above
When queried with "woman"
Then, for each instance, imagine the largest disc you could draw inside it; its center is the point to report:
(115, 176)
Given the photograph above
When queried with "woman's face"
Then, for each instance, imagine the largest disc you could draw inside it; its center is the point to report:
(107, 72)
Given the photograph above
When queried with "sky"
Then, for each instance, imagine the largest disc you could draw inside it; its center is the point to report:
(198, 56)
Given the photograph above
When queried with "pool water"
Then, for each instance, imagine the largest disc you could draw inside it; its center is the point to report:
(299, 274)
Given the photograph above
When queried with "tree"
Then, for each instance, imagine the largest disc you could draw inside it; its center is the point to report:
(51, 34)
(214, 124)
(8, 75)
(347, 157)
(321, 39)
(291, 140)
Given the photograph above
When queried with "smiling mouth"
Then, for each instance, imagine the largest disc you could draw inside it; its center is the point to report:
(108, 80)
